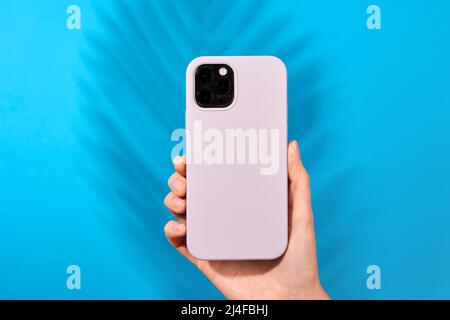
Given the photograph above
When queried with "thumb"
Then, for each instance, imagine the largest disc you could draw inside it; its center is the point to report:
(299, 188)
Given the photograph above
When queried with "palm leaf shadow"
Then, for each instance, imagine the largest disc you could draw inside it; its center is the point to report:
(132, 97)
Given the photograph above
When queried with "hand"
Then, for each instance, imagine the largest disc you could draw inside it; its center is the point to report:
(292, 276)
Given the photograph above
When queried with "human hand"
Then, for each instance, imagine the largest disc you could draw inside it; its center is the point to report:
(291, 276)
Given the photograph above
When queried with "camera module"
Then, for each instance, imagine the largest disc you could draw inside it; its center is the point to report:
(214, 85)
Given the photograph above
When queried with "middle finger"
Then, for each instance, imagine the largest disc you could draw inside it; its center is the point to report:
(177, 184)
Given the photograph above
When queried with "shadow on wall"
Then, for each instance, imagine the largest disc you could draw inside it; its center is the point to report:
(132, 97)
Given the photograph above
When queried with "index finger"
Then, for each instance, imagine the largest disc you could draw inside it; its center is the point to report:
(180, 165)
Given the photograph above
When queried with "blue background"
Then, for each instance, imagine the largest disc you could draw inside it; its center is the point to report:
(86, 117)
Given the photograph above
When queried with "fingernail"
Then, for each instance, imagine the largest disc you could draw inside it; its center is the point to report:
(296, 147)
(175, 185)
(177, 160)
(176, 202)
(179, 227)
(293, 150)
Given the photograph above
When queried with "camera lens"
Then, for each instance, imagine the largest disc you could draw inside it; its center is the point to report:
(204, 97)
(223, 100)
(223, 86)
(204, 75)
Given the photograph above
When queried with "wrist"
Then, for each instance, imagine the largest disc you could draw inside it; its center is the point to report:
(315, 292)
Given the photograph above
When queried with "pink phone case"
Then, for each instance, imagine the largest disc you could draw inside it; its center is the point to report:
(234, 212)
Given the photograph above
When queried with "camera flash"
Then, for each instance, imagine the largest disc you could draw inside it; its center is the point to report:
(223, 71)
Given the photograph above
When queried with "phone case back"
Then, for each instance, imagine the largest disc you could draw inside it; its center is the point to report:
(235, 210)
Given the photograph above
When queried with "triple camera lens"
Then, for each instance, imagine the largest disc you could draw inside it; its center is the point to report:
(214, 86)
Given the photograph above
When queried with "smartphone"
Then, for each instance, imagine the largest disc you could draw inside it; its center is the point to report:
(236, 145)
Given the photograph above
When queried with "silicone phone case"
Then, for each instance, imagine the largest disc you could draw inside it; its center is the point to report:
(233, 211)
